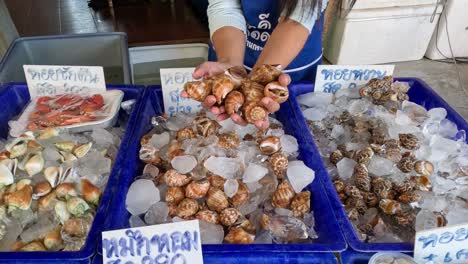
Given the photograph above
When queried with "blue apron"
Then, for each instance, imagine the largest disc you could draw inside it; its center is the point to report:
(262, 17)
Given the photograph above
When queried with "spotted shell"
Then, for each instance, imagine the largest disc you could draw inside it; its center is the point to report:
(371, 199)
(253, 92)
(187, 208)
(149, 154)
(406, 164)
(216, 199)
(208, 216)
(409, 141)
(300, 204)
(406, 186)
(234, 102)
(409, 197)
(336, 156)
(279, 164)
(198, 90)
(229, 141)
(221, 87)
(185, 133)
(277, 92)
(339, 185)
(217, 181)
(381, 187)
(174, 195)
(236, 74)
(361, 177)
(173, 178)
(393, 154)
(238, 235)
(283, 195)
(421, 183)
(424, 168)
(270, 145)
(253, 112)
(242, 195)
(229, 216)
(205, 126)
(389, 206)
(197, 189)
(352, 191)
(265, 74)
(357, 203)
(363, 156)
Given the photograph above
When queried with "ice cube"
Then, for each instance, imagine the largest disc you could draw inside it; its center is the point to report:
(285, 229)
(299, 175)
(425, 219)
(157, 214)
(345, 168)
(94, 163)
(283, 211)
(289, 144)
(337, 131)
(151, 170)
(184, 164)
(222, 166)
(417, 113)
(102, 137)
(278, 132)
(315, 99)
(457, 216)
(315, 114)
(448, 129)
(44, 225)
(437, 114)
(253, 186)
(358, 107)
(432, 201)
(402, 119)
(51, 154)
(211, 233)
(179, 121)
(135, 221)
(13, 230)
(140, 196)
(379, 166)
(264, 237)
(254, 173)
(159, 140)
(230, 187)
(442, 147)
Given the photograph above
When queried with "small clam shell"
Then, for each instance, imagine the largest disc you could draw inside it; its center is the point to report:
(197, 189)
(300, 204)
(198, 90)
(22, 183)
(53, 239)
(361, 177)
(47, 202)
(208, 216)
(217, 181)
(67, 156)
(33, 246)
(77, 206)
(254, 112)
(277, 92)
(236, 74)
(279, 164)
(61, 211)
(266, 74)
(238, 235)
(283, 195)
(66, 146)
(242, 195)
(270, 145)
(82, 150)
(228, 140)
(34, 165)
(17, 245)
(49, 132)
(175, 179)
(221, 87)
(17, 148)
(216, 199)
(65, 190)
(90, 192)
(20, 199)
(234, 102)
(409, 141)
(52, 174)
(174, 195)
(6, 176)
(76, 227)
(185, 133)
(424, 168)
(41, 189)
(187, 207)
(252, 91)
(33, 146)
(229, 216)
(149, 154)
(336, 156)
(390, 207)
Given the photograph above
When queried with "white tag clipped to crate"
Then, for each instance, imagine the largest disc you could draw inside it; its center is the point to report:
(172, 83)
(331, 78)
(442, 245)
(50, 80)
(174, 243)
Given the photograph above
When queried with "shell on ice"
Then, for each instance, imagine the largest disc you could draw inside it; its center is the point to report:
(265, 74)
(197, 189)
(283, 195)
(198, 90)
(149, 154)
(61, 211)
(33, 246)
(77, 206)
(353, 191)
(66, 146)
(67, 156)
(175, 179)
(41, 188)
(208, 216)
(229, 216)
(353, 214)
(187, 207)
(364, 155)
(406, 164)
(20, 199)
(185, 133)
(33, 146)
(221, 87)
(76, 227)
(361, 177)
(6, 176)
(252, 91)
(17, 148)
(205, 126)
(34, 165)
(339, 185)
(424, 168)
(270, 145)
(409, 197)
(405, 186)
(389, 206)
(371, 199)
(248, 226)
(49, 132)
(234, 102)
(409, 141)
(254, 112)
(216, 199)
(277, 92)
(228, 140)
(22, 183)
(421, 183)
(217, 181)
(47, 202)
(335, 156)
(65, 190)
(300, 204)
(53, 239)
(405, 219)
(91, 193)
(279, 164)
(358, 203)
(82, 150)
(238, 235)
(174, 195)
(242, 195)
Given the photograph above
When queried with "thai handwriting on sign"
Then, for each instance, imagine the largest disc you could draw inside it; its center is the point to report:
(331, 78)
(178, 244)
(442, 245)
(83, 75)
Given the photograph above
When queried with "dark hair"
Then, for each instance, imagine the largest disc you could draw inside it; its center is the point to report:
(288, 6)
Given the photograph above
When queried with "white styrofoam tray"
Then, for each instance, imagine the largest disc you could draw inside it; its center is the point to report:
(112, 101)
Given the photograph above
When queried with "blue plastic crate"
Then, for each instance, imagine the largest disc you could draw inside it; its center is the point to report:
(419, 93)
(330, 237)
(14, 98)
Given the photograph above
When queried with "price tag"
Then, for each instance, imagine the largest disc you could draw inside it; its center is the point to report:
(331, 78)
(172, 82)
(174, 243)
(442, 245)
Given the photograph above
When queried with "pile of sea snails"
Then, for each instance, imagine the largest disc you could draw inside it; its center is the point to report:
(240, 92)
(50, 185)
(243, 184)
(396, 167)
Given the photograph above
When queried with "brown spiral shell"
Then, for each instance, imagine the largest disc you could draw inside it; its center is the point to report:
(208, 216)
(237, 235)
(300, 204)
(357, 203)
(339, 185)
(242, 195)
(216, 199)
(172, 209)
(197, 189)
(409, 197)
(371, 199)
(405, 219)
(185, 133)
(409, 141)
(217, 181)
(174, 195)
(205, 126)
(406, 186)
(336, 156)
(253, 92)
(236, 74)
(424, 168)
(283, 195)
(270, 145)
(229, 216)
(149, 154)
(406, 164)
(277, 92)
(353, 214)
(198, 90)
(175, 179)
(353, 191)
(187, 207)
(222, 85)
(421, 183)
(228, 140)
(265, 74)
(364, 155)
(361, 177)
(381, 187)
(248, 226)
(254, 112)
(389, 206)
(279, 164)
(233, 102)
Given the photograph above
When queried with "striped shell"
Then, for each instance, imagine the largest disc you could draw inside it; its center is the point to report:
(236, 74)
(254, 112)
(149, 154)
(174, 195)
(234, 102)
(424, 168)
(409, 141)
(389, 206)
(371, 199)
(265, 74)
(221, 87)
(242, 195)
(361, 177)
(217, 181)
(175, 179)
(279, 164)
(335, 156)
(277, 92)
(198, 90)
(363, 156)
(283, 195)
(406, 164)
(300, 204)
(187, 207)
(229, 216)
(197, 189)
(216, 199)
(409, 197)
(205, 126)
(270, 145)
(421, 183)
(253, 92)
